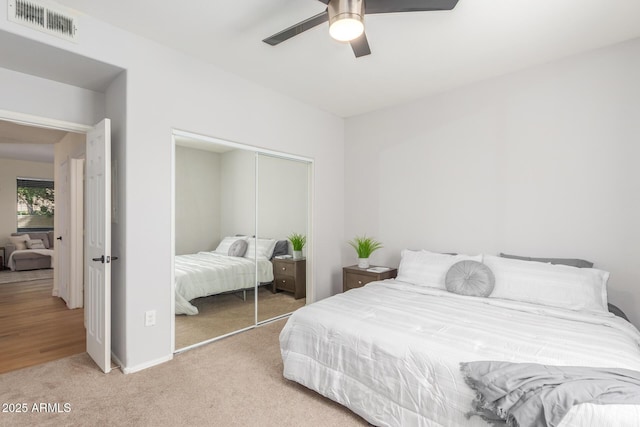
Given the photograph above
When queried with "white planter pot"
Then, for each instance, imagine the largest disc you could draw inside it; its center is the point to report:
(297, 254)
(363, 262)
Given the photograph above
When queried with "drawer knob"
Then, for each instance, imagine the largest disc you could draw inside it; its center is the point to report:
(359, 282)
(284, 268)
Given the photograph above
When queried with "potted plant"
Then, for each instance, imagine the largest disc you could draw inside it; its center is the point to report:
(364, 246)
(297, 242)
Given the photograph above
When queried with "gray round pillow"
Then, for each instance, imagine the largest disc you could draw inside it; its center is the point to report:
(470, 278)
(238, 248)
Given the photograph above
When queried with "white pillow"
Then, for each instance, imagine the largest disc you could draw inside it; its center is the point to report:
(225, 244)
(35, 244)
(573, 288)
(426, 268)
(20, 242)
(263, 248)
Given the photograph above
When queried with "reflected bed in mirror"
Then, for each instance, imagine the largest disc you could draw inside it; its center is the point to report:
(209, 273)
(225, 277)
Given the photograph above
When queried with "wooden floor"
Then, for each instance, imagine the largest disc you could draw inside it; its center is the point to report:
(36, 327)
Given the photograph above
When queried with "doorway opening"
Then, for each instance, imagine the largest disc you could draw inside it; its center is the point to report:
(68, 328)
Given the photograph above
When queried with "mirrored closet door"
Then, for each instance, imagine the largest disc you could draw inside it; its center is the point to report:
(282, 209)
(235, 210)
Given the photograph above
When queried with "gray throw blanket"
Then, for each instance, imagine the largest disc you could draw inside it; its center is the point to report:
(528, 394)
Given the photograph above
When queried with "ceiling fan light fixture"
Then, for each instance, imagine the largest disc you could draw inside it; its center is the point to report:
(346, 19)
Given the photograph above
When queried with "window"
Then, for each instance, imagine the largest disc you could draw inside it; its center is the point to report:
(35, 204)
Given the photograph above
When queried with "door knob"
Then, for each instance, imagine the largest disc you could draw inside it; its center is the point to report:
(59, 238)
(101, 259)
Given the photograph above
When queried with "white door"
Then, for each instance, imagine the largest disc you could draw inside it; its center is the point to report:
(69, 248)
(98, 244)
(76, 233)
(61, 272)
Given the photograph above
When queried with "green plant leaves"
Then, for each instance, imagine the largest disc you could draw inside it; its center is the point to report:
(365, 246)
(297, 241)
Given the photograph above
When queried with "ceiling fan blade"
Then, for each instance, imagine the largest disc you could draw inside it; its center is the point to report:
(300, 27)
(360, 46)
(391, 6)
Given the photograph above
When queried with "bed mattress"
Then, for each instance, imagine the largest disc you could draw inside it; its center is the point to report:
(209, 273)
(390, 351)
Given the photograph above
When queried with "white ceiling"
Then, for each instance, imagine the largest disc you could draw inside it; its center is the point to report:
(413, 54)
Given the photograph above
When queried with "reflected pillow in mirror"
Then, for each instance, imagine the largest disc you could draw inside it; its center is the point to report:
(225, 244)
(238, 248)
(281, 248)
(471, 278)
(260, 248)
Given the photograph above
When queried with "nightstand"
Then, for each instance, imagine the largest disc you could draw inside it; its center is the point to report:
(356, 277)
(290, 275)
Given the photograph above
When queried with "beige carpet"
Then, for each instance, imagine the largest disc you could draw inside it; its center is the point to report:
(8, 276)
(221, 314)
(236, 381)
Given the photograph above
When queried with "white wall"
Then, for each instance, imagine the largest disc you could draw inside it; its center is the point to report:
(282, 197)
(24, 93)
(165, 90)
(116, 111)
(197, 200)
(238, 193)
(71, 146)
(10, 170)
(541, 163)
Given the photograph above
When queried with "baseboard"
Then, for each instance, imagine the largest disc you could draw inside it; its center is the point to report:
(142, 366)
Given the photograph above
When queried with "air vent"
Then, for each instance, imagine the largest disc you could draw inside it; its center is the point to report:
(41, 16)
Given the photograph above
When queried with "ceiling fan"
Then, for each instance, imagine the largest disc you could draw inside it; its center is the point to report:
(346, 19)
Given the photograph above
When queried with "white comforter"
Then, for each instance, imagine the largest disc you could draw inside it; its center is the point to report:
(209, 273)
(390, 351)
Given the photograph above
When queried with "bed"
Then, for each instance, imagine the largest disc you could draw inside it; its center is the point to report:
(224, 270)
(391, 350)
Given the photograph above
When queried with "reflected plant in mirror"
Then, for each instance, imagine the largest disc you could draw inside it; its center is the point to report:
(297, 242)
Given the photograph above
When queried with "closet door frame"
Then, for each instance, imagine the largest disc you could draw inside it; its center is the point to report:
(181, 134)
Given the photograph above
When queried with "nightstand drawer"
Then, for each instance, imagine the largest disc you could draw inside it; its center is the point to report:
(282, 269)
(290, 275)
(285, 283)
(355, 277)
(357, 280)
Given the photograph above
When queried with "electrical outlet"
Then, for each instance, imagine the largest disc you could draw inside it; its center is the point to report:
(150, 318)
